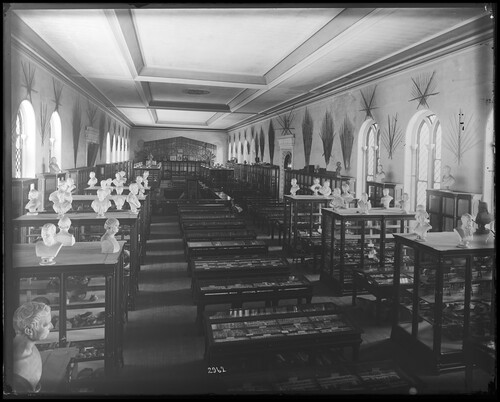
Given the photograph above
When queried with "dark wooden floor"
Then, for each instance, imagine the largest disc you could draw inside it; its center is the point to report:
(163, 351)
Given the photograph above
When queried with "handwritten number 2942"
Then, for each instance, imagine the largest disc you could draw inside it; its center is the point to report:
(216, 370)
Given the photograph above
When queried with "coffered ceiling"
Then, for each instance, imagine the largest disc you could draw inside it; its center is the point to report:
(218, 68)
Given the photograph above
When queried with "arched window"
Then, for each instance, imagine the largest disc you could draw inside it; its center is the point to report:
(428, 157)
(25, 141)
(108, 148)
(56, 138)
(119, 149)
(113, 149)
(368, 154)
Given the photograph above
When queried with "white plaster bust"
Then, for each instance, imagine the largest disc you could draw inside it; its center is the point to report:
(118, 181)
(101, 204)
(326, 189)
(108, 242)
(404, 203)
(364, 205)
(61, 199)
(48, 247)
(465, 231)
(93, 180)
(422, 226)
(140, 187)
(346, 194)
(70, 183)
(448, 181)
(145, 176)
(32, 323)
(295, 187)
(63, 236)
(316, 186)
(337, 201)
(380, 175)
(132, 199)
(34, 204)
(386, 199)
(119, 200)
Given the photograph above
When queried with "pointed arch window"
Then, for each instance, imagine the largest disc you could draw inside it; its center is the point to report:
(56, 137)
(108, 148)
(372, 151)
(24, 155)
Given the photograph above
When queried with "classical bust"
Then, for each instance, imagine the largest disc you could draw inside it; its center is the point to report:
(364, 205)
(34, 202)
(145, 176)
(101, 204)
(346, 194)
(63, 236)
(315, 186)
(140, 187)
(422, 226)
(295, 187)
(61, 199)
(380, 175)
(119, 200)
(386, 199)
(32, 323)
(465, 231)
(132, 199)
(326, 190)
(93, 180)
(447, 181)
(337, 200)
(108, 242)
(48, 247)
(118, 180)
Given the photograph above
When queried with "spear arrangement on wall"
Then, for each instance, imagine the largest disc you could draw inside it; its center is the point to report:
(285, 122)
(392, 137)
(423, 87)
(28, 78)
(44, 119)
(91, 113)
(77, 127)
(327, 136)
(368, 105)
(57, 87)
(271, 141)
(461, 138)
(307, 135)
(346, 142)
(262, 144)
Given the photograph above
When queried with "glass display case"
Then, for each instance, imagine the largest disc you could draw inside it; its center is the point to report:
(445, 208)
(363, 242)
(85, 290)
(302, 218)
(451, 299)
(305, 180)
(20, 190)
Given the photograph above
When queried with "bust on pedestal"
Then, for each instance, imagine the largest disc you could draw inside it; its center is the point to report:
(145, 176)
(108, 242)
(32, 323)
(380, 175)
(422, 226)
(346, 194)
(448, 181)
(101, 204)
(118, 181)
(61, 199)
(295, 187)
(132, 199)
(404, 203)
(48, 247)
(364, 205)
(337, 201)
(315, 186)
(92, 181)
(326, 189)
(138, 181)
(119, 200)
(386, 199)
(63, 236)
(34, 202)
(465, 231)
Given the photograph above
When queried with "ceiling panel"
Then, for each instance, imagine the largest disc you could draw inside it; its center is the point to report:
(181, 116)
(82, 37)
(177, 92)
(121, 93)
(241, 41)
(139, 116)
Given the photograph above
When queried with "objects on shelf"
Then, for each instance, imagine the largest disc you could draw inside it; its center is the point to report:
(102, 203)
(92, 181)
(295, 187)
(63, 236)
(118, 181)
(48, 247)
(109, 244)
(32, 323)
(404, 203)
(326, 189)
(140, 187)
(386, 199)
(132, 199)
(422, 226)
(364, 204)
(380, 175)
(145, 176)
(465, 231)
(448, 181)
(61, 199)
(337, 201)
(338, 169)
(70, 183)
(34, 204)
(346, 194)
(315, 186)
(119, 200)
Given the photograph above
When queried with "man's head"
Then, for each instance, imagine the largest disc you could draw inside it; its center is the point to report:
(48, 234)
(64, 223)
(33, 320)
(102, 194)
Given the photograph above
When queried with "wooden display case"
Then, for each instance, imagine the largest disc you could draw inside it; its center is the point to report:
(445, 208)
(47, 184)
(85, 290)
(375, 190)
(222, 247)
(302, 213)
(279, 330)
(451, 300)
(352, 240)
(217, 224)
